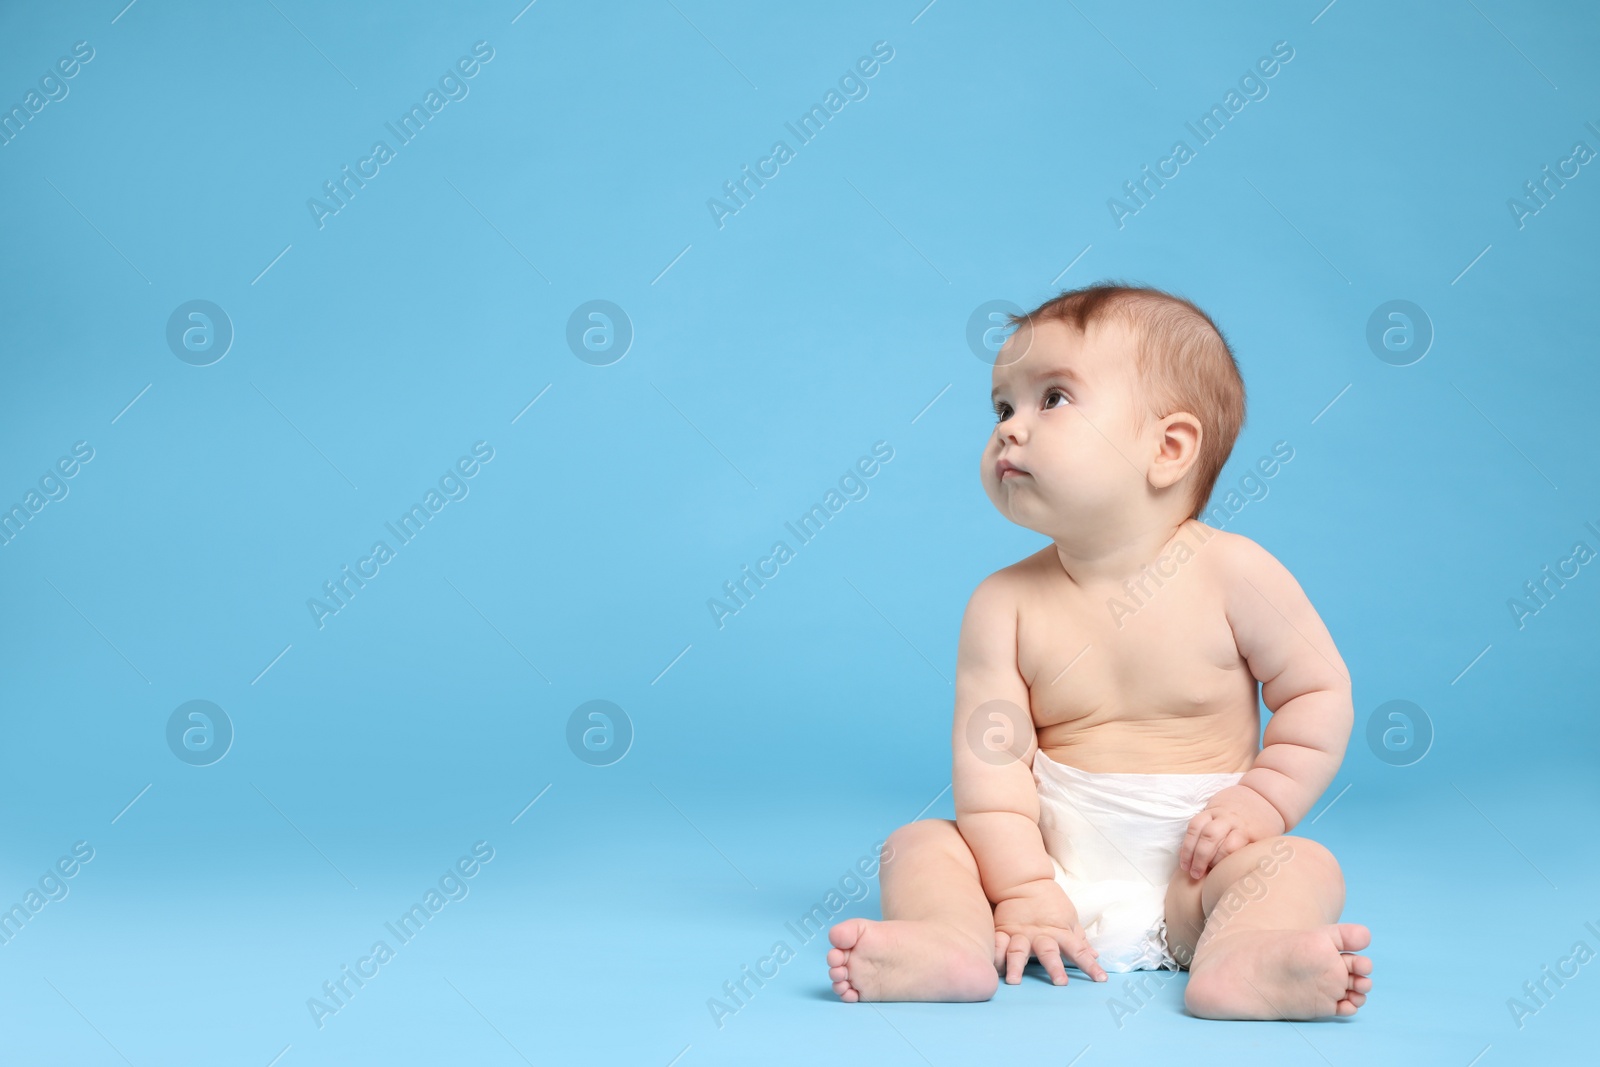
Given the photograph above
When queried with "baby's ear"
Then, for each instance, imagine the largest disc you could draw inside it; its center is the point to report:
(1178, 448)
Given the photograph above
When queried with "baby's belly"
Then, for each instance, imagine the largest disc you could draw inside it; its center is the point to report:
(1176, 744)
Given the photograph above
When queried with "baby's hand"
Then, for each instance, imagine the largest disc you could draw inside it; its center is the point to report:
(1043, 923)
(1234, 817)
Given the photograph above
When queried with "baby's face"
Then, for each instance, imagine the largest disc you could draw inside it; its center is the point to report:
(1067, 420)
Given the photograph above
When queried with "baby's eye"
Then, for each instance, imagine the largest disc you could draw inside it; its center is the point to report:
(1051, 393)
(1001, 411)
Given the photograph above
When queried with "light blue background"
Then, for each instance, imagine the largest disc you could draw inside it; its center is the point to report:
(828, 314)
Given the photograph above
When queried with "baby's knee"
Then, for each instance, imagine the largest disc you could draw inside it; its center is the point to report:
(921, 836)
(1310, 855)
(1249, 872)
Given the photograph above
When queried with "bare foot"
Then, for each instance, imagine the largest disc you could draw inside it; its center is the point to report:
(905, 960)
(1281, 974)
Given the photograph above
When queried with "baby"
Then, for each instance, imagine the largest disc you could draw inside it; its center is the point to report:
(1114, 806)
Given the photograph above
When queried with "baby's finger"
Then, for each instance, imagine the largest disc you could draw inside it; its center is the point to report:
(1190, 837)
(1049, 954)
(1216, 845)
(1016, 958)
(1083, 954)
(1205, 850)
(1194, 865)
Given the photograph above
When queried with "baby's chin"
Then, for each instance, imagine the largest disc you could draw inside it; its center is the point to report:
(1021, 505)
(1034, 509)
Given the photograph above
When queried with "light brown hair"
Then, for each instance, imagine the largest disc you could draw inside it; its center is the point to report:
(1181, 359)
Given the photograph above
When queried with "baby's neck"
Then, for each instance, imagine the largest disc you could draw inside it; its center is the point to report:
(1114, 554)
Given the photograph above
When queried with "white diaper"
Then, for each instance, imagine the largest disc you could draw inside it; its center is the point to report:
(1114, 840)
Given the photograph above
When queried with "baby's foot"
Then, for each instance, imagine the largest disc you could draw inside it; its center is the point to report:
(907, 960)
(1281, 974)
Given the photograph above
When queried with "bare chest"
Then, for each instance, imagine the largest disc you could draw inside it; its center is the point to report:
(1146, 653)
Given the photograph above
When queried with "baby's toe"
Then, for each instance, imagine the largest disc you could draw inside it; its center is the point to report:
(1349, 1004)
(1351, 937)
(844, 935)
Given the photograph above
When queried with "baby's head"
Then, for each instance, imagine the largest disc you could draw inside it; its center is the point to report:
(1118, 405)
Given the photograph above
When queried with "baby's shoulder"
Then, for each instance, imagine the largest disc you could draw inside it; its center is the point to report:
(1026, 572)
(1233, 554)
(1004, 591)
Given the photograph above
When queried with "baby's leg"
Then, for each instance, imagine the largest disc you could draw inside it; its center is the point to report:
(936, 940)
(1268, 944)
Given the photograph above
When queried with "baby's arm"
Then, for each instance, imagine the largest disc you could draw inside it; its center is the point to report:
(1304, 684)
(997, 802)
